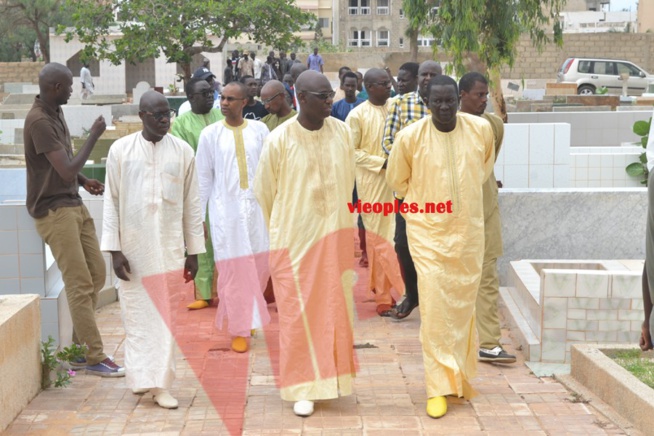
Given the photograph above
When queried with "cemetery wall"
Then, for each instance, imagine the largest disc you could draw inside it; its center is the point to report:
(19, 72)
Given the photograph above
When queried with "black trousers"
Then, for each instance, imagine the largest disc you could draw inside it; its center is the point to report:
(409, 273)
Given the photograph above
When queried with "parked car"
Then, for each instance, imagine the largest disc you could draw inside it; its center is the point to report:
(590, 74)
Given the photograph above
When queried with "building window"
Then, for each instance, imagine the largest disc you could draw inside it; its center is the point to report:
(382, 7)
(358, 7)
(401, 42)
(383, 38)
(323, 23)
(359, 38)
(401, 13)
(425, 41)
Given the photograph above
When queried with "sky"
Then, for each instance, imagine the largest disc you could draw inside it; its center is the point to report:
(618, 5)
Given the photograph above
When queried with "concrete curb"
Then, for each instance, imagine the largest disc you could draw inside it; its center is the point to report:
(613, 384)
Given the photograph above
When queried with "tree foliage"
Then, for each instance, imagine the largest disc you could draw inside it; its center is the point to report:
(27, 21)
(179, 28)
(490, 30)
(418, 14)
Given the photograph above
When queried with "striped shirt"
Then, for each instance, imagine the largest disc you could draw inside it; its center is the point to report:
(403, 111)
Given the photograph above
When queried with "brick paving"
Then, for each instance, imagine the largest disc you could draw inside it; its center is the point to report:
(224, 393)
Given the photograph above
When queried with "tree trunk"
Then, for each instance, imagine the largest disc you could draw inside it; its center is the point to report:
(43, 42)
(186, 67)
(497, 96)
(413, 44)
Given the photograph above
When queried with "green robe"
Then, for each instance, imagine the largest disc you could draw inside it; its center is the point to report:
(188, 127)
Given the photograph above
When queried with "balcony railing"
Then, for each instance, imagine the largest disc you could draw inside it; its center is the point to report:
(365, 10)
(382, 10)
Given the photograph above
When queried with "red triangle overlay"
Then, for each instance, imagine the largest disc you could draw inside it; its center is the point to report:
(223, 373)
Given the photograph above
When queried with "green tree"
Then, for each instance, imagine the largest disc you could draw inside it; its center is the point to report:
(490, 29)
(37, 16)
(179, 28)
(419, 16)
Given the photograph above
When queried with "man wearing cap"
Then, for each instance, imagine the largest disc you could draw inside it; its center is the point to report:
(202, 73)
(246, 65)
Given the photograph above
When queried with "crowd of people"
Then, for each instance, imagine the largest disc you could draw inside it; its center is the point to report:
(249, 195)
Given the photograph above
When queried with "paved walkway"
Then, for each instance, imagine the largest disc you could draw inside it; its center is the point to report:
(223, 393)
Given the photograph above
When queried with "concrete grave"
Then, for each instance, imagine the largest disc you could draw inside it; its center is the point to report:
(140, 89)
(20, 366)
(15, 87)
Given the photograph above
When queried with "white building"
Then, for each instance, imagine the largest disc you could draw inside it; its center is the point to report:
(592, 21)
(112, 79)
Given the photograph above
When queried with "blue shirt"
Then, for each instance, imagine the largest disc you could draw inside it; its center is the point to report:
(341, 108)
(314, 62)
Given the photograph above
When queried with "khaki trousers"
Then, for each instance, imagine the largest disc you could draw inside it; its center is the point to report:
(70, 233)
(488, 322)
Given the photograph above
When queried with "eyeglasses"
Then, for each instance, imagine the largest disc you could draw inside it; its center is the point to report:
(268, 100)
(382, 84)
(205, 94)
(321, 95)
(230, 99)
(159, 115)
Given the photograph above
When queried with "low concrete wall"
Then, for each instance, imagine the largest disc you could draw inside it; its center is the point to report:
(590, 129)
(20, 359)
(613, 384)
(589, 223)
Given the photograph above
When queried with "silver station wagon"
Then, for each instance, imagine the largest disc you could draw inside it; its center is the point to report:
(591, 74)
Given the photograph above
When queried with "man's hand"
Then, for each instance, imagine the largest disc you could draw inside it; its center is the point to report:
(190, 267)
(499, 184)
(98, 127)
(645, 337)
(94, 187)
(121, 265)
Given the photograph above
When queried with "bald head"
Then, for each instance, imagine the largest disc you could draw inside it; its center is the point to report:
(374, 75)
(427, 71)
(311, 81)
(296, 70)
(151, 99)
(240, 88)
(273, 97)
(272, 87)
(53, 73)
(430, 65)
(55, 84)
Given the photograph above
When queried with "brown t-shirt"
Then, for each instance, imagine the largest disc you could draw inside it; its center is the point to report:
(46, 130)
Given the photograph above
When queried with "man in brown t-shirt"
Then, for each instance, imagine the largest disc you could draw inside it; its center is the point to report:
(62, 220)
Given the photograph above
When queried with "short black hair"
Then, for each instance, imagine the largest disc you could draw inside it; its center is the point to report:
(244, 78)
(444, 80)
(467, 82)
(188, 88)
(411, 68)
(351, 75)
(343, 69)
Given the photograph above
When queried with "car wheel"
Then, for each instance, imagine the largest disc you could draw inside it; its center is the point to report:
(586, 90)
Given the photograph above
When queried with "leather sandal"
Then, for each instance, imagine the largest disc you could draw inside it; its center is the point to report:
(384, 309)
(403, 310)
